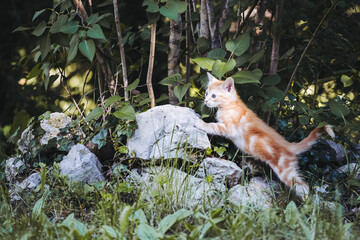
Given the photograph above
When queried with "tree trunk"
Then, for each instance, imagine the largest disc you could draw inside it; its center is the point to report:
(214, 36)
(173, 56)
(151, 66)
(276, 38)
(122, 52)
(225, 11)
(204, 25)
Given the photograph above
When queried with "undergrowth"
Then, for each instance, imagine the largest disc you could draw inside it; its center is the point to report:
(114, 209)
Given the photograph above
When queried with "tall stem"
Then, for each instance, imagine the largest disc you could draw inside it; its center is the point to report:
(151, 66)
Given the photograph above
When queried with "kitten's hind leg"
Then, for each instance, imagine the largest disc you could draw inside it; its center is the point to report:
(290, 176)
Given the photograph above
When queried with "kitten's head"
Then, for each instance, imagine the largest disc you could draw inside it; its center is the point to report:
(219, 93)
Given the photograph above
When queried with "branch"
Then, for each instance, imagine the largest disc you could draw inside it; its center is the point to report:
(204, 26)
(151, 65)
(122, 52)
(301, 58)
(240, 28)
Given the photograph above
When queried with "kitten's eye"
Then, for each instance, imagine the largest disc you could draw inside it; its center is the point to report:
(213, 96)
(206, 93)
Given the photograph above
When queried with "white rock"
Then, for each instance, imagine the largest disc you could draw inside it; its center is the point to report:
(238, 196)
(352, 168)
(165, 131)
(182, 189)
(28, 184)
(25, 140)
(11, 169)
(261, 191)
(53, 125)
(81, 165)
(223, 171)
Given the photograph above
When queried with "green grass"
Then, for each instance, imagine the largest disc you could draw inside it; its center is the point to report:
(59, 209)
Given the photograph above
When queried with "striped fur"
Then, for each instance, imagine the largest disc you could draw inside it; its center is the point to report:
(253, 136)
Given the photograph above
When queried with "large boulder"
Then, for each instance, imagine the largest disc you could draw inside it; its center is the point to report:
(222, 171)
(329, 150)
(166, 131)
(184, 190)
(81, 165)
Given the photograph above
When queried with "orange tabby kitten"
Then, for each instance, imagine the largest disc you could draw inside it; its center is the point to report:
(253, 136)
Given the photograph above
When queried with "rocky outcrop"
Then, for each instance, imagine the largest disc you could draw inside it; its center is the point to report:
(81, 165)
(166, 132)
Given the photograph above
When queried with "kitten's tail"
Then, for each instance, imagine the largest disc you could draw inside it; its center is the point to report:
(307, 142)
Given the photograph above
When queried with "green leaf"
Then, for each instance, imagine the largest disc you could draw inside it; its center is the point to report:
(45, 44)
(95, 113)
(18, 29)
(152, 6)
(304, 119)
(338, 109)
(100, 138)
(173, 8)
(346, 80)
(133, 85)
(87, 48)
(124, 219)
(147, 232)
(242, 59)
(70, 28)
(204, 63)
(35, 71)
(38, 208)
(96, 33)
(19, 124)
(322, 124)
(271, 80)
(203, 44)
(274, 92)
(37, 13)
(61, 21)
(172, 79)
(181, 90)
(74, 46)
(112, 100)
(245, 76)
(239, 45)
(220, 68)
(257, 56)
(40, 29)
(291, 214)
(125, 113)
(217, 53)
(111, 232)
(74, 225)
(167, 222)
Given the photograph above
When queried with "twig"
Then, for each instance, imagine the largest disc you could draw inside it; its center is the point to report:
(151, 65)
(245, 19)
(301, 58)
(122, 52)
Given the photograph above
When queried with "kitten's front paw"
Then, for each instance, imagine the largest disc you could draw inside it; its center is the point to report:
(200, 124)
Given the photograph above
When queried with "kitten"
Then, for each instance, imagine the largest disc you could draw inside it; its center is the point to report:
(253, 136)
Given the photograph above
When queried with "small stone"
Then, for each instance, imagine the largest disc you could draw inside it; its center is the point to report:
(81, 165)
(28, 184)
(350, 169)
(11, 169)
(53, 125)
(223, 171)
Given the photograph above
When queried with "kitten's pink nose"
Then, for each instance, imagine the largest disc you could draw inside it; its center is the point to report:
(205, 101)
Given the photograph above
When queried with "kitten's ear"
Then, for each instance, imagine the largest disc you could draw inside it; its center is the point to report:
(211, 77)
(228, 84)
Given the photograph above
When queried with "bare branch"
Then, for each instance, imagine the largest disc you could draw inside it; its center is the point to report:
(122, 52)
